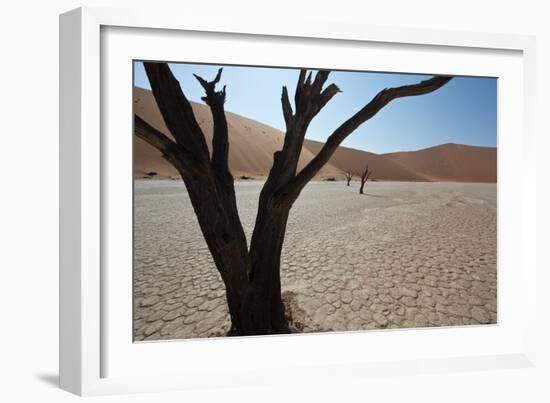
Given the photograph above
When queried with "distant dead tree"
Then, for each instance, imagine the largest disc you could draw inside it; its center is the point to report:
(365, 175)
(349, 177)
(251, 274)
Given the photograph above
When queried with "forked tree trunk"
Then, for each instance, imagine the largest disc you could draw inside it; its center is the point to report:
(349, 177)
(251, 275)
(365, 175)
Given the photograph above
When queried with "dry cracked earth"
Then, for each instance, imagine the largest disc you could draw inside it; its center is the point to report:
(404, 255)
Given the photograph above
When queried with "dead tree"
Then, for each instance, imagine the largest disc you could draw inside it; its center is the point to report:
(365, 175)
(251, 274)
(349, 177)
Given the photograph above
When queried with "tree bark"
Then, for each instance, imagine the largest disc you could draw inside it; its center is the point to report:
(268, 315)
(251, 275)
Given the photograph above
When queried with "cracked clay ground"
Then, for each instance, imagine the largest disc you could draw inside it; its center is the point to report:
(403, 255)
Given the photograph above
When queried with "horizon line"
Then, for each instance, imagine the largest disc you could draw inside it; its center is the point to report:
(341, 146)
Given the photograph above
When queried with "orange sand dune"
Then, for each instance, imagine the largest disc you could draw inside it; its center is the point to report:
(451, 162)
(349, 159)
(252, 145)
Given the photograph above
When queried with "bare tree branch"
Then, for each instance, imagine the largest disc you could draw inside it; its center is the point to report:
(327, 95)
(210, 88)
(220, 143)
(157, 139)
(299, 84)
(287, 108)
(320, 79)
(368, 111)
(349, 176)
(365, 175)
(176, 109)
(309, 99)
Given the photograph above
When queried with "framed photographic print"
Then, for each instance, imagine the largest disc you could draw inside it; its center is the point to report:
(407, 242)
(246, 196)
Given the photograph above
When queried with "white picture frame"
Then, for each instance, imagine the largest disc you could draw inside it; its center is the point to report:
(97, 357)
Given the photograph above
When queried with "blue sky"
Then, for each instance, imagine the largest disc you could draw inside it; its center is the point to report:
(464, 111)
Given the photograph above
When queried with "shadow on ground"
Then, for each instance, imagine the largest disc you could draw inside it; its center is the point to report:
(373, 195)
(49, 379)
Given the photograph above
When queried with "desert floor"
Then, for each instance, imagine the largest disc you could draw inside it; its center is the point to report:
(404, 255)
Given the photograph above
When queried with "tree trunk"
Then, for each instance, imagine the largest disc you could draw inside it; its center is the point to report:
(264, 302)
(364, 178)
(251, 277)
(219, 222)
